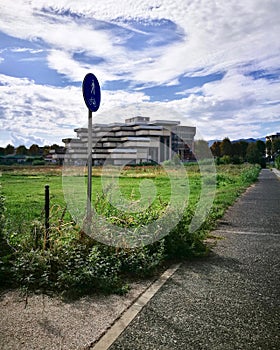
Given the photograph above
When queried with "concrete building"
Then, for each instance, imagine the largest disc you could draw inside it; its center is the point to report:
(135, 141)
(273, 137)
(274, 151)
(55, 156)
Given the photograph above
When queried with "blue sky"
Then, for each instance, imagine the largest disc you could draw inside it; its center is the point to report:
(213, 64)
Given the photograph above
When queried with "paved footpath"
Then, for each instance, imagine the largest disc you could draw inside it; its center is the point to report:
(230, 300)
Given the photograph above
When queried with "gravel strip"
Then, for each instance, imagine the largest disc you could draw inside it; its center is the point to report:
(43, 322)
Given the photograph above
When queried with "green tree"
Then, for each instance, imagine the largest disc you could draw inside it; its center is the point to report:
(216, 149)
(21, 150)
(54, 146)
(261, 147)
(9, 149)
(226, 147)
(253, 154)
(236, 152)
(244, 145)
(236, 149)
(46, 150)
(34, 150)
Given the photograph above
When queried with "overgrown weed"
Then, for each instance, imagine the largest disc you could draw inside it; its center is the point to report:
(75, 264)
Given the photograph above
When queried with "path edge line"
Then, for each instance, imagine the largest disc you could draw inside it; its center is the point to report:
(127, 317)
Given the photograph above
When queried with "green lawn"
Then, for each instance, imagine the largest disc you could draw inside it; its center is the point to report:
(24, 188)
(73, 262)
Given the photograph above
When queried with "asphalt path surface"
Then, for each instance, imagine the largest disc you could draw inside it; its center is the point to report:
(230, 300)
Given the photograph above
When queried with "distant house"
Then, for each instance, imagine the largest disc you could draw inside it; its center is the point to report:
(55, 156)
(136, 141)
(273, 137)
(13, 159)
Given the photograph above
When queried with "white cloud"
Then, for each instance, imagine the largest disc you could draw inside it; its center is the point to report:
(35, 112)
(233, 37)
(217, 33)
(46, 113)
(236, 105)
(235, 86)
(21, 49)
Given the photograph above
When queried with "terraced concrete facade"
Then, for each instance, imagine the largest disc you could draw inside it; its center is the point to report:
(135, 141)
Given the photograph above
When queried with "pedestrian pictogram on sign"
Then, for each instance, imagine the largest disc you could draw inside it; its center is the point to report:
(91, 92)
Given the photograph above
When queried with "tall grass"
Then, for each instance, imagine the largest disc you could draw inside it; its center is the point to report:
(75, 263)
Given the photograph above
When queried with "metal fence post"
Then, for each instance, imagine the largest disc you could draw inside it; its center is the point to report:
(47, 215)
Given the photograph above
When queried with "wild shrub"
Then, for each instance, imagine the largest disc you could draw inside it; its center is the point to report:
(5, 250)
(2, 212)
(73, 263)
(250, 174)
(277, 162)
(225, 159)
(181, 243)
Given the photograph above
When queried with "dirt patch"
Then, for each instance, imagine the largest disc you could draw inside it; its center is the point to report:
(43, 322)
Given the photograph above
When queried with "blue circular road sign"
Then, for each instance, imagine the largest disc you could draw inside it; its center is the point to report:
(91, 92)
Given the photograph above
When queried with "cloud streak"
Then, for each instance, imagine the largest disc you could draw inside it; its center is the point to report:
(135, 48)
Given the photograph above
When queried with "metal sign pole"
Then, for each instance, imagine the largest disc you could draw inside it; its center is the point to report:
(89, 182)
(92, 97)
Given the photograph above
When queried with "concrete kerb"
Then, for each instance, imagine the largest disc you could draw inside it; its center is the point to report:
(276, 172)
(125, 319)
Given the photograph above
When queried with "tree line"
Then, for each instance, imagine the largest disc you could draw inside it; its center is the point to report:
(239, 152)
(33, 150)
